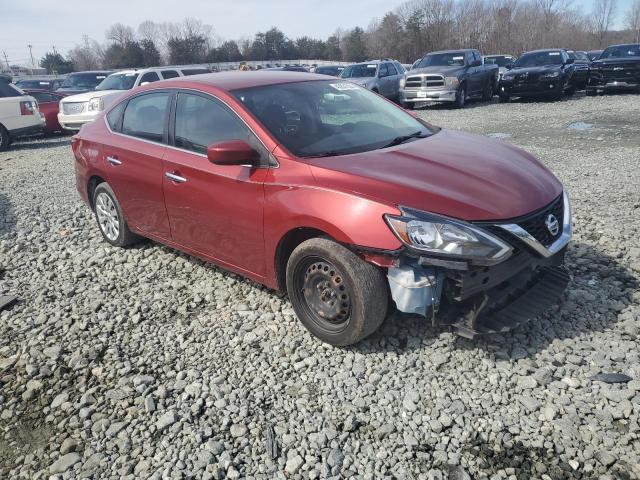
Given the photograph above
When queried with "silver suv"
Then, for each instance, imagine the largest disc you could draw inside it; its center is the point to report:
(380, 76)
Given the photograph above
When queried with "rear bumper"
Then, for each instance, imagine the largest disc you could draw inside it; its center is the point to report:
(428, 95)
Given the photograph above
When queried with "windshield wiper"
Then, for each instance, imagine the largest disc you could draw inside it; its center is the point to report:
(404, 138)
(332, 153)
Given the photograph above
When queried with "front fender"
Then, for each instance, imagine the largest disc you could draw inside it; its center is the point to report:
(345, 217)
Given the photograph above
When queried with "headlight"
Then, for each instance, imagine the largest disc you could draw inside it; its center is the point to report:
(550, 75)
(95, 105)
(451, 81)
(402, 82)
(447, 237)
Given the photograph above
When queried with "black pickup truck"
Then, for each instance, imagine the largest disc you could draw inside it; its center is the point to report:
(449, 76)
(617, 68)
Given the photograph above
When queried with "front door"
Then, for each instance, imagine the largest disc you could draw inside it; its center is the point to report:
(134, 161)
(216, 210)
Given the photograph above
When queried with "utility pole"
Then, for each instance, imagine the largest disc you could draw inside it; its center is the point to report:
(33, 64)
(6, 60)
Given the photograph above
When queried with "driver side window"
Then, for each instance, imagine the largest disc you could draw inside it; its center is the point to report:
(384, 70)
(201, 121)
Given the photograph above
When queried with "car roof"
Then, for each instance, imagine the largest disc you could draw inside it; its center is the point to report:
(542, 50)
(93, 71)
(233, 80)
(456, 50)
(624, 45)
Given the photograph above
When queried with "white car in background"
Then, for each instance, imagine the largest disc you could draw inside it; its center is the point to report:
(19, 114)
(76, 110)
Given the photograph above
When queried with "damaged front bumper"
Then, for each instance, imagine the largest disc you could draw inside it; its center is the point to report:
(476, 299)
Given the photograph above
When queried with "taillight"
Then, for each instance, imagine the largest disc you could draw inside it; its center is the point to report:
(27, 108)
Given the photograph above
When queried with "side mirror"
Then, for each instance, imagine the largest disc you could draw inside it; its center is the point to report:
(475, 63)
(569, 61)
(144, 83)
(232, 152)
(509, 66)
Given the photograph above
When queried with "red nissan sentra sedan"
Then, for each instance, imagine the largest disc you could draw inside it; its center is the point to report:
(326, 190)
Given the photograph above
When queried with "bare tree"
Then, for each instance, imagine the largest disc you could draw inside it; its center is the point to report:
(603, 16)
(120, 34)
(633, 20)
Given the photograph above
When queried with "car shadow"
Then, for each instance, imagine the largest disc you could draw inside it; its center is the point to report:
(40, 142)
(600, 287)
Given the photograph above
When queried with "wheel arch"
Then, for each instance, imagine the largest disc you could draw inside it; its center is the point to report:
(92, 183)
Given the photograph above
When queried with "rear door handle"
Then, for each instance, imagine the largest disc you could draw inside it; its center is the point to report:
(114, 161)
(175, 178)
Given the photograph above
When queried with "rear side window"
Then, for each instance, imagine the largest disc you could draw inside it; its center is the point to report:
(144, 116)
(166, 74)
(114, 116)
(149, 77)
(383, 71)
(8, 90)
(201, 121)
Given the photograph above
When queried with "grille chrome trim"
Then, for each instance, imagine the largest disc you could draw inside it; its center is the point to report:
(531, 241)
(72, 108)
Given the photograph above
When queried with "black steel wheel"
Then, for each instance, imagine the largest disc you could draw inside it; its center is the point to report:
(5, 139)
(337, 296)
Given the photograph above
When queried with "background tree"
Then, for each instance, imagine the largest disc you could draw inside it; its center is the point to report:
(86, 56)
(633, 20)
(355, 49)
(603, 16)
(120, 34)
(56, 64)
(150, 54)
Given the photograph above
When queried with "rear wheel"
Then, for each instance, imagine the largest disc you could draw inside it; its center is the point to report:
(337, 296)
(5, 139)
(504, 98)
(487, 92)
(110, 218)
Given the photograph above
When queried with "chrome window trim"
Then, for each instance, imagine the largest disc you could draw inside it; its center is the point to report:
(271, 157)
(556, 246)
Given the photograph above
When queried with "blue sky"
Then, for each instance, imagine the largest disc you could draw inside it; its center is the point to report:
(44, 23)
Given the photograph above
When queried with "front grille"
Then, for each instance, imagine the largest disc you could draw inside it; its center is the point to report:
(72, 108)
(527, 78)
(535, 224)
(618, 73)
(418, 81)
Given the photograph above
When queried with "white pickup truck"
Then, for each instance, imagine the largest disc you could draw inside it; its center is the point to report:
(19, 114)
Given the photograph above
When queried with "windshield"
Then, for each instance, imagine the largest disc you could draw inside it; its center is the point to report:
(539, 59)
(83, 80)
(118, 81)
(579, 56)
(500, 60)
(42, 84)
(328, 117)
(360, 70)
(455, 59)
(621, 51)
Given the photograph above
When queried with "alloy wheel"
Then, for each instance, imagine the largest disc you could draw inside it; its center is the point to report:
(108, 217)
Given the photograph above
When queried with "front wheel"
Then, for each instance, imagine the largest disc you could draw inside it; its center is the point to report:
(461, 97)
(338, 297)
(504, 98)
(487, 92)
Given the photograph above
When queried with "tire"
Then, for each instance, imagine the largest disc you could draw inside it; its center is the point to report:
(338, 297)
(487, 92)
(461, 96)
(5, 139)
(570, 91)
(591, 93)
(110, 218)
(408, 105)
(504, 98)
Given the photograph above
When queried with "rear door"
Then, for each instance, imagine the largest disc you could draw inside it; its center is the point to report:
(48, 104)
(213, 209)
(133, 160)
(394, 80)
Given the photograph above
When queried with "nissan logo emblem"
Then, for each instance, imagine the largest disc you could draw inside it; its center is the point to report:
(552, 224)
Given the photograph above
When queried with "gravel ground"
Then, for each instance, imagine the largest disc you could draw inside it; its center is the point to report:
(146, 363)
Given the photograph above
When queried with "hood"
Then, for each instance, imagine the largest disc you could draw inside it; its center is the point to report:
(539, 70)
(361, 80)
(86, 96)
(444, 70)
(616, 61)
(72, 91)
(460, 175)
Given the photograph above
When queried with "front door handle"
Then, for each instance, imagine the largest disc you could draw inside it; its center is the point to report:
(175, 178)
(114, 161)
